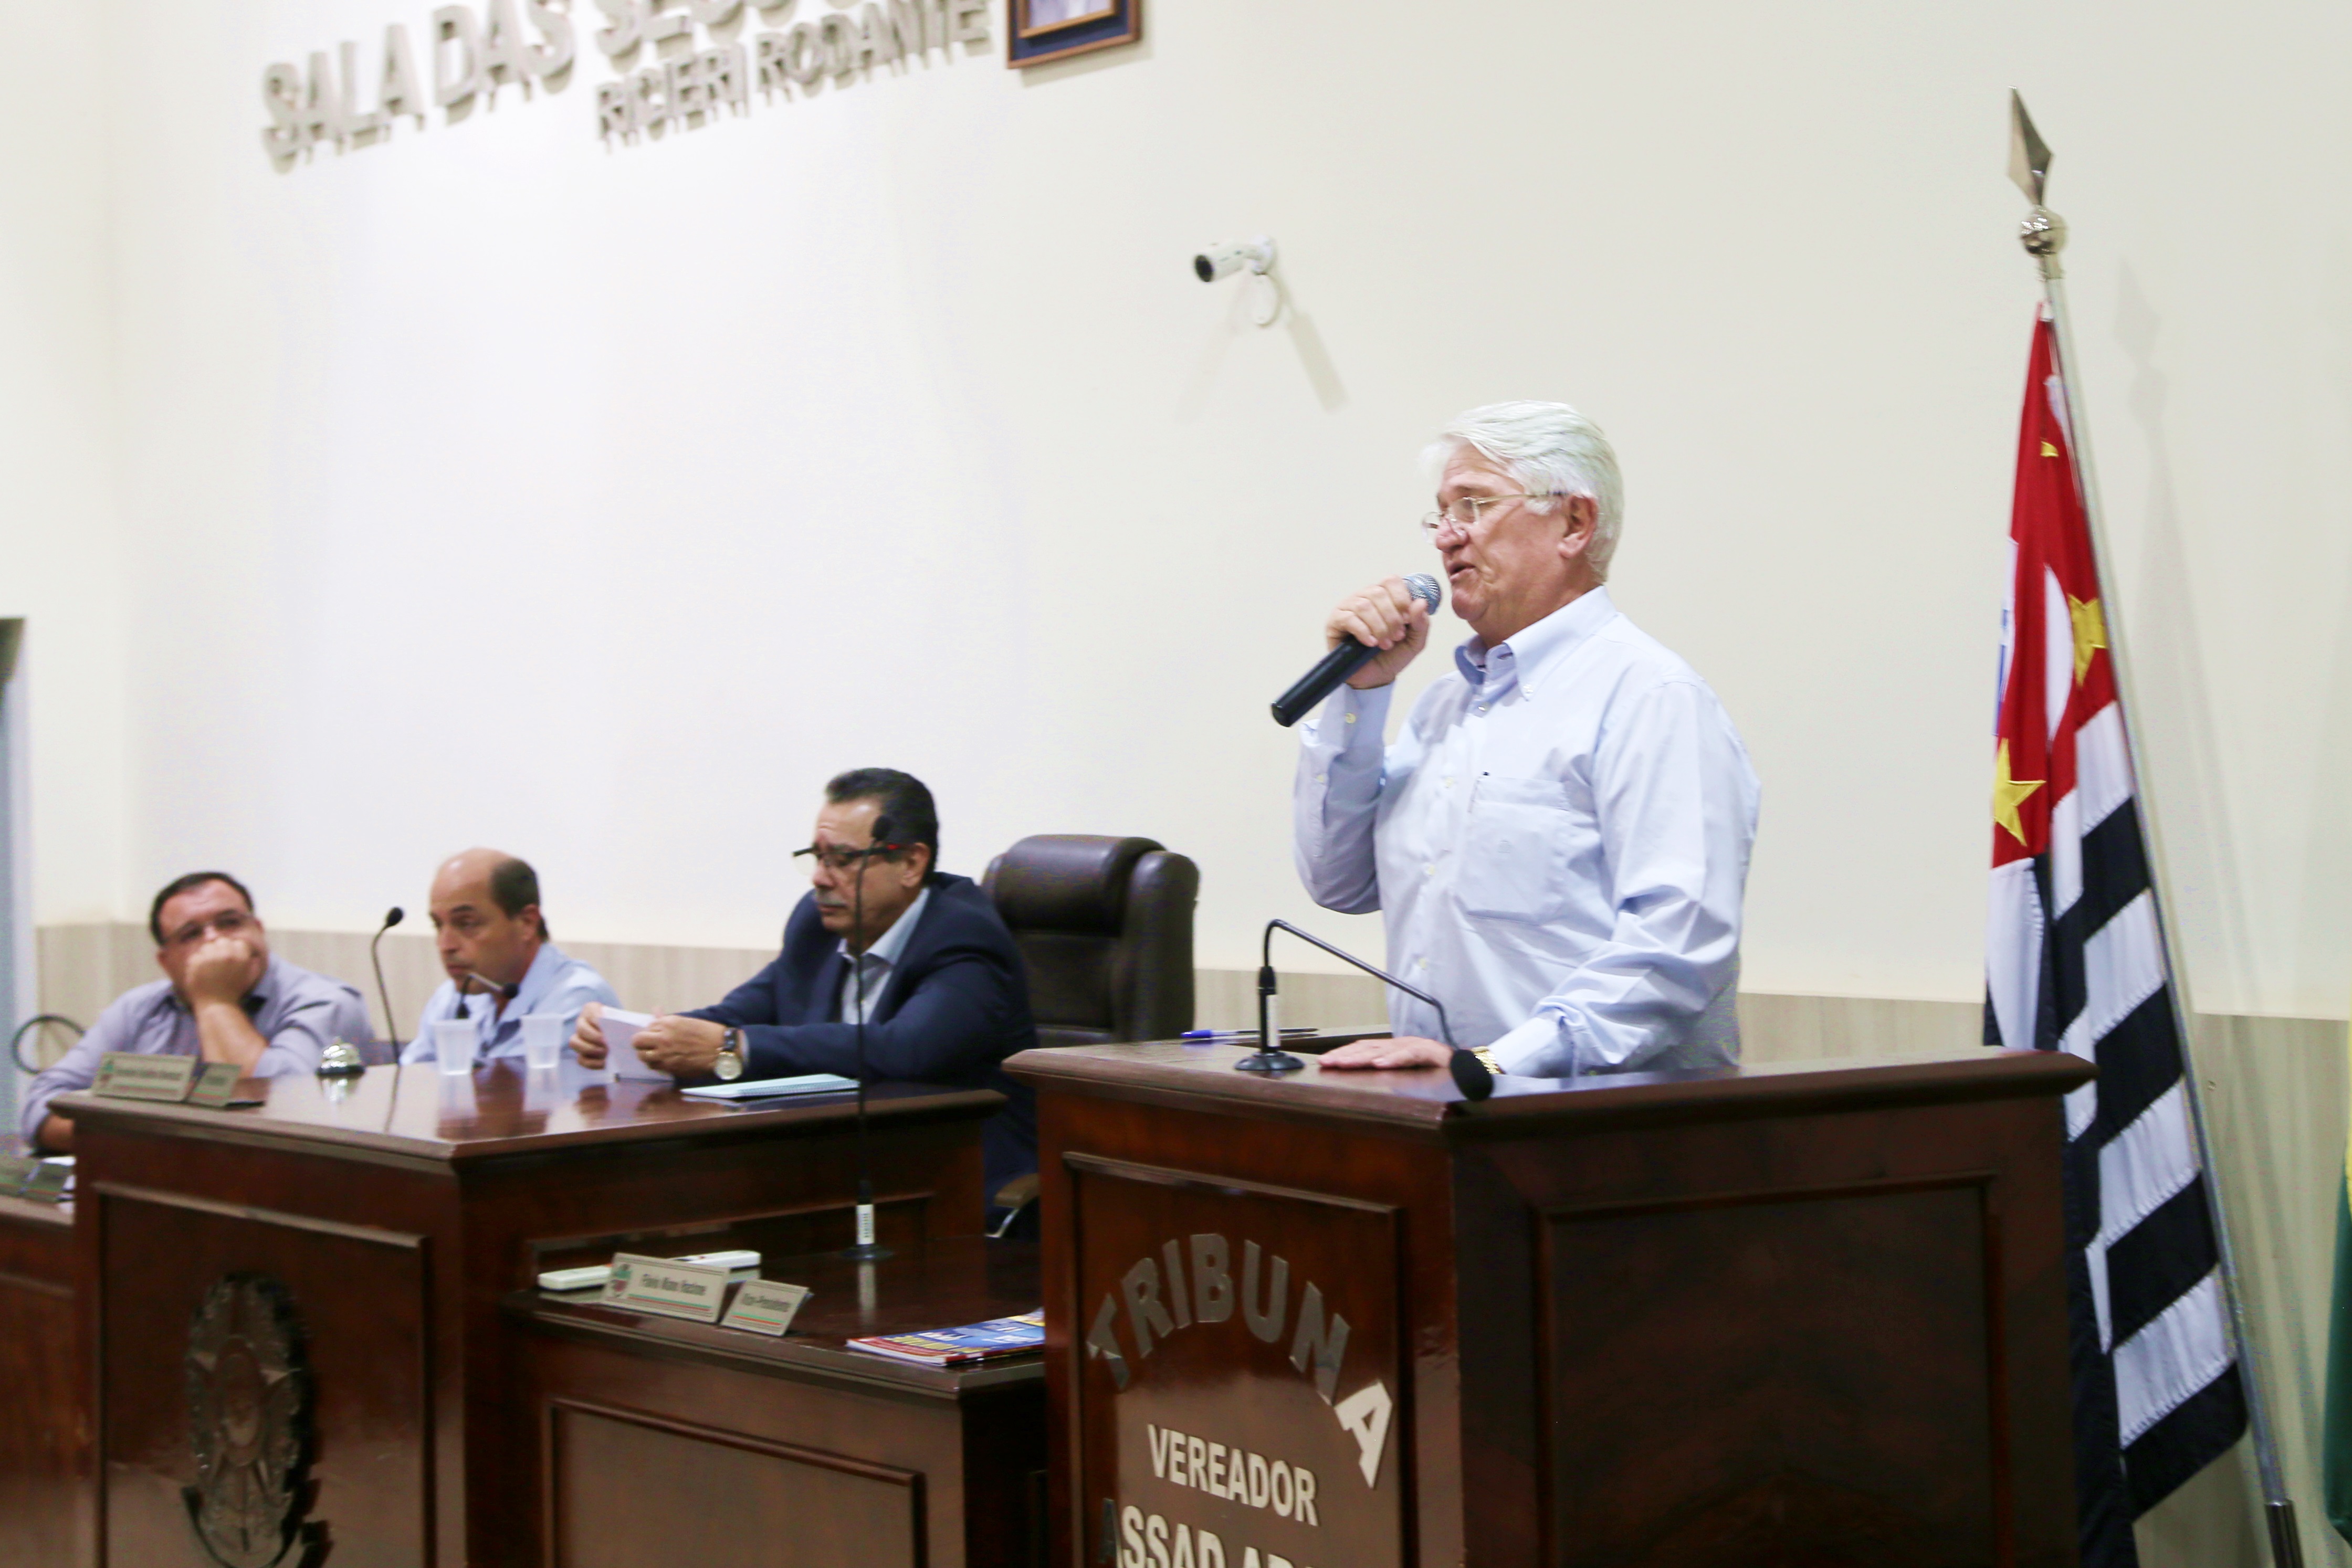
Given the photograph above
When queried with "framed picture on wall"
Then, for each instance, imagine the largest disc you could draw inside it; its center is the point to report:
(1044, 30)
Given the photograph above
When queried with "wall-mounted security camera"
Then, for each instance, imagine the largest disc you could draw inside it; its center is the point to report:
(1228, 257)
(1254, 256)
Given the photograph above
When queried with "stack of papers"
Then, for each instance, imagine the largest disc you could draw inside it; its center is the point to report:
(991, 1341)
(764, 1088)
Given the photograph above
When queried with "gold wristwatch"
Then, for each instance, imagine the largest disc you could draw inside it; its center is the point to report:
(730, 1065)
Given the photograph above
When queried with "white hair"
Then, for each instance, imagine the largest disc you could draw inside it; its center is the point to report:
(1547, 449)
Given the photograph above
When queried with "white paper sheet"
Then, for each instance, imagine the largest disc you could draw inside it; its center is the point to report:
(620, 1028)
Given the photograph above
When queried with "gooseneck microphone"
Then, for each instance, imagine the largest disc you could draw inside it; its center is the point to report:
(392, 918)
(500, 989)
(1343, 661)
(1470, 1075)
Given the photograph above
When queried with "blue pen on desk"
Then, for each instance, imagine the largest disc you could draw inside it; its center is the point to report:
(1236, 1033)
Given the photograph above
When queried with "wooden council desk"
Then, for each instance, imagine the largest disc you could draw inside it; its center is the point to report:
(45, 1439)
(292, 1312)
(1806, 1312)
(665, 1440)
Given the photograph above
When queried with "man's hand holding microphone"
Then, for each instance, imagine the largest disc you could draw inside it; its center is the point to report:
(1370, 636)
(1386, 616)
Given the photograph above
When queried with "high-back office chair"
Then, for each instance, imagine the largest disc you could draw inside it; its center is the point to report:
(1105, 929)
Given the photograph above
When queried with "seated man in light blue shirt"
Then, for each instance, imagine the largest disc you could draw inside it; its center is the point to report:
(1558, 838)
(495, 949)
(223, 997)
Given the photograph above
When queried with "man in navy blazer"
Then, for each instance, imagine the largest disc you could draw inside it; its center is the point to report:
(945, 994)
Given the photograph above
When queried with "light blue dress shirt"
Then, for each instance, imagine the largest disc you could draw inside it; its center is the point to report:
(553, 984)
(299, 1013)
(1558, 843)
(877, 962)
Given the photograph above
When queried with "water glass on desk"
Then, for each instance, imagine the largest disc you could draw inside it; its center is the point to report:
(454, 1042)
(542, 1040)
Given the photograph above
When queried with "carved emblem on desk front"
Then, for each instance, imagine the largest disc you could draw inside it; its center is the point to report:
(249, 1427)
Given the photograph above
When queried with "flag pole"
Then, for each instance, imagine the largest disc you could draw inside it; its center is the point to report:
(2043, 234)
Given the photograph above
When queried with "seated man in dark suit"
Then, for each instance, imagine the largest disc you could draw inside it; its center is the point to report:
(946, 996)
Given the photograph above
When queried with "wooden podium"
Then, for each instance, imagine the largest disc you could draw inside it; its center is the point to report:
(1807, 1313)
(293, 1315)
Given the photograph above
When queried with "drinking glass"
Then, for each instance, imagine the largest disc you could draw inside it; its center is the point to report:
(542, 1040)
(454, 1042)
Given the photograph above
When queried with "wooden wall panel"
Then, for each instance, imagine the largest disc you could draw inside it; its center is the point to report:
(1718, 1379)
(360, 1298)
(625, 1489)
(44, 1437)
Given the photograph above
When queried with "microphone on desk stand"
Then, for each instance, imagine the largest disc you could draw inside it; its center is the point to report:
(1470, 1075)
(392, 918)
(866, 1249)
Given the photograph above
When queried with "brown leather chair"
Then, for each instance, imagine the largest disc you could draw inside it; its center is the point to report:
(1105, 926)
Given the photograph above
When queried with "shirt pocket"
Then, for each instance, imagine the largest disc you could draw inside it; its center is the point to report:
(1515, 851)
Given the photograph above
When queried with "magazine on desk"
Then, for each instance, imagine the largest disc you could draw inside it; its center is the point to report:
(991, 1341)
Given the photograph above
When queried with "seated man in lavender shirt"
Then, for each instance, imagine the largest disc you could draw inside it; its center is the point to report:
(225, 999)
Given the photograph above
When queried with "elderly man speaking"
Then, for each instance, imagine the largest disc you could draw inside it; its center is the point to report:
(1559, 839)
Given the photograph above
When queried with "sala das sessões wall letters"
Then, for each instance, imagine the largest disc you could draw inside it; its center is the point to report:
(680, 63)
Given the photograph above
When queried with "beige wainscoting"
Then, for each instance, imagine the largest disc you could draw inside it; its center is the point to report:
(84, 966)
(2275, 1090)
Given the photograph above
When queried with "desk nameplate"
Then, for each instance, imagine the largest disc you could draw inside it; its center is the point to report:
(43, 1181)
(167, 1080)
(128, 1075)
(667, 1287)
(214, 1082)
(764, 1306)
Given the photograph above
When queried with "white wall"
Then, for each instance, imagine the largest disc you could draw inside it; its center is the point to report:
(494, 485)
(58, 565)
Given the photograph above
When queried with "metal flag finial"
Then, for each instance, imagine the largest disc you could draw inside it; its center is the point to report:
(2043, 233)
(2029, 155)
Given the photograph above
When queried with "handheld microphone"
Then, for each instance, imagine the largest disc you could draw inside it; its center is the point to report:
(866, 1249)
(1343, 661)
(392, 918)
(1470, 1075)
